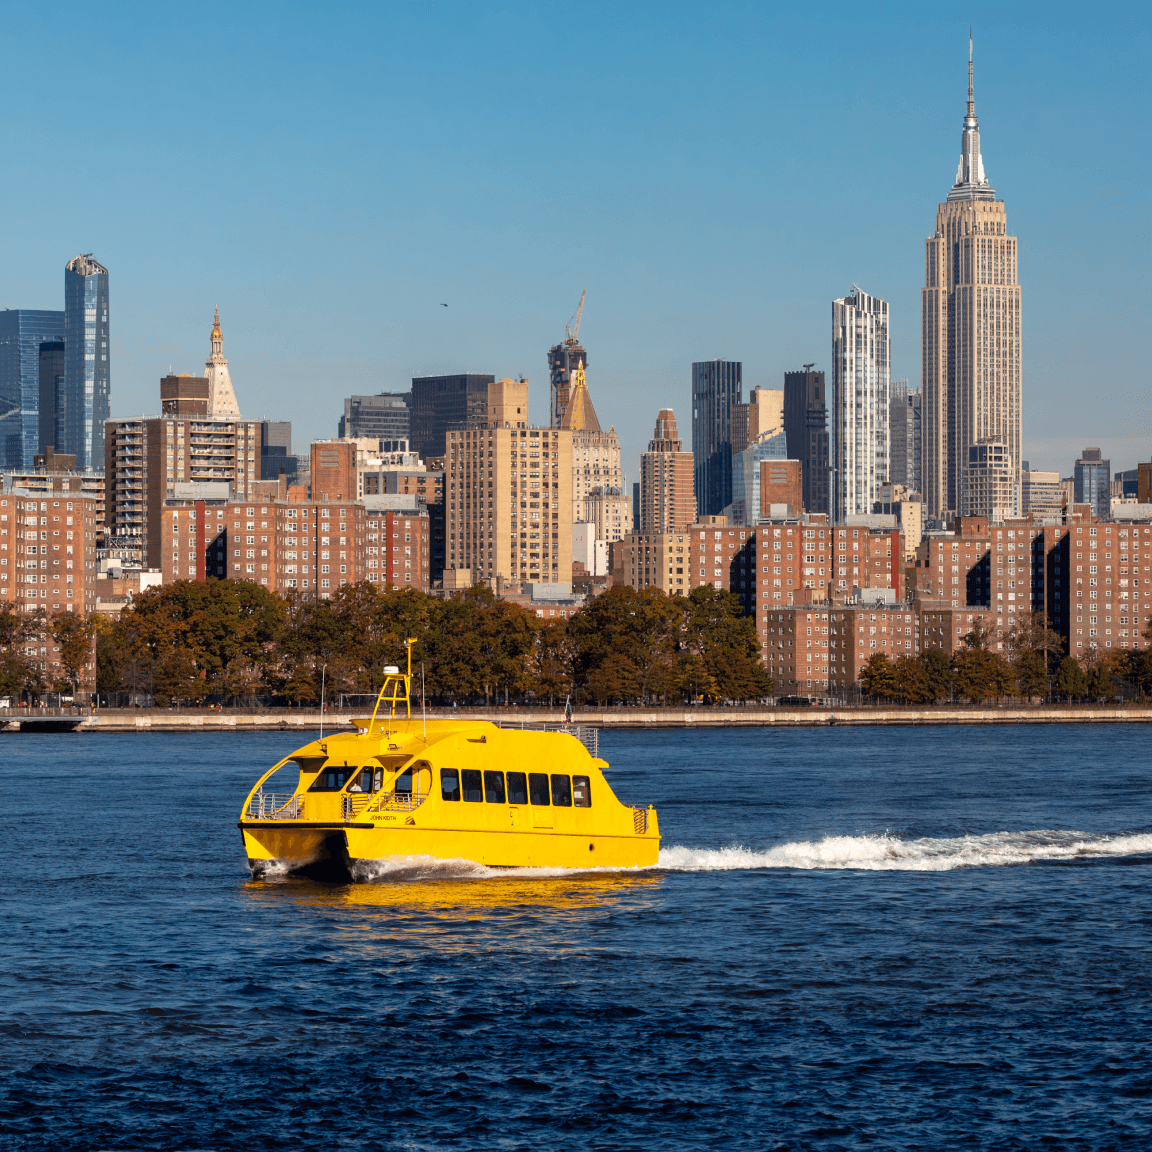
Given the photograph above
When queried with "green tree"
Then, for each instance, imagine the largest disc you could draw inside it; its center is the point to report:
(716, 633)
(638, 627)
(1031, 674)
(878, 677)
(550, 664)
(1070, 679)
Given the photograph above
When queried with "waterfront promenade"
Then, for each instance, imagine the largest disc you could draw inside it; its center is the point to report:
(308, 721)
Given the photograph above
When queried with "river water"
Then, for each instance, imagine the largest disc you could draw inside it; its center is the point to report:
(879, 938)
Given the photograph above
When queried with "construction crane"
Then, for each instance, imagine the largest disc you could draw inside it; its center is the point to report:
(573, 329)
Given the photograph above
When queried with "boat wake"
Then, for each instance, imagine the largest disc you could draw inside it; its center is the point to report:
(889, 854)
(846, 853)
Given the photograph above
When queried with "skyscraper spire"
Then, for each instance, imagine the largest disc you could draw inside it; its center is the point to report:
(971, 98)
(971, 183)
(221, 395)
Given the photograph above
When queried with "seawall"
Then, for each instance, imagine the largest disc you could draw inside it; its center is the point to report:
(308, 723)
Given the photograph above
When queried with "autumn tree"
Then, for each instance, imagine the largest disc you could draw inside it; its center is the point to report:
(878, 677)
(981, 674)
(938, 675)
(74, 635)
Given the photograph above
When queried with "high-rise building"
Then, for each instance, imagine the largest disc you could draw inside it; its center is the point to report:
(564, 360)
(858, 442)
(806, 425)
(609, 511)
(61, 579)
(970, 317)
(717, 385)
(988, 486)
(22, 332)
(745, 508)
(51, 392)
(764, 413)
(276, 450)
(905, 424)
(1092, 474)
(595, 454)
(1041, 494)
(386, 416)
(508, 493)
(441, 401)
(667, 503)
(184, 453)
(85, 404)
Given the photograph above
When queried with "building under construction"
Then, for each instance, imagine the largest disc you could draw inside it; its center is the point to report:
(563, 362)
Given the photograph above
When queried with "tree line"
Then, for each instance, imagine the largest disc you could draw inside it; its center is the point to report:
(233, 640)
(28, 639)
(1029, 661)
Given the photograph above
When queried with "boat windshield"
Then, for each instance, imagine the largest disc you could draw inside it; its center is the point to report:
(334, 778)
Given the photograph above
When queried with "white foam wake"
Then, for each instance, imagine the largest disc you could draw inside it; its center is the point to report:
(886, 853)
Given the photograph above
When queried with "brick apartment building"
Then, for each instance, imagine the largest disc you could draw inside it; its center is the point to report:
(1110, 581)
(48, 561)
(305, 546)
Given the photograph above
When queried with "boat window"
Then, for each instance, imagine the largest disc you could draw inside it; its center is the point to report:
(377, 779)
(470, 785)
(494, 787)
(517, 788)
(404, 782)
(363, 782)
(581, 792)
(538, 788)
(562, 791)
(449, 784)
(332, 779)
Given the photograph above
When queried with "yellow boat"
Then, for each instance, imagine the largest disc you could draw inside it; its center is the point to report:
(524, 796)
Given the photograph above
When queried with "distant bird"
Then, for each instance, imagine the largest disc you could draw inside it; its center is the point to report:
(443, 305)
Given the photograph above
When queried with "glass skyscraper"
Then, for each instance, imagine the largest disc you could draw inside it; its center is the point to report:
(22, 331)
(84, 404)
(716, 386)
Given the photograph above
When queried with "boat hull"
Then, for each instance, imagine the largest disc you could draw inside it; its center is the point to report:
(288, 847)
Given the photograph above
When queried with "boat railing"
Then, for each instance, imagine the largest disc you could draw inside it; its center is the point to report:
(589, 737)
(275, 806)
(383, 802)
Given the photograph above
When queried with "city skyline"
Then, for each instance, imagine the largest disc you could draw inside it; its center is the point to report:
(726, 282)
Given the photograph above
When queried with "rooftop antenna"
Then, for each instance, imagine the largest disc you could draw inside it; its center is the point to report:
(971, 98)
(809, 367)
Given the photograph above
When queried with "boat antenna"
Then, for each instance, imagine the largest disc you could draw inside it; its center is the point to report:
(423, 702)
(323, 671)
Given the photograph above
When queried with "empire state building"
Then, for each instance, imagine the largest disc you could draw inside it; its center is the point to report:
(970, 327)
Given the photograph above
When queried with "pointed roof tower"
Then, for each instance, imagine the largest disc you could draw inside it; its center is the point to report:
(580, 416)
(221, 395)
(971, 183)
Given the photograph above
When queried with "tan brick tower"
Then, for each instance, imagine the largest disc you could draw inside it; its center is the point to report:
(970, 326)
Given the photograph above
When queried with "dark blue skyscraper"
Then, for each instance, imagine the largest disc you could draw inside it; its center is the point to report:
(22, 331)
(716, 386)
(84, 403)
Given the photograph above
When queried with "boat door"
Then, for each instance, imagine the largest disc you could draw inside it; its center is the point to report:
(517, 796)
(541, 801)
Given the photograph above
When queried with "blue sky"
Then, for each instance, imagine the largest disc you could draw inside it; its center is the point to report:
(713, 175)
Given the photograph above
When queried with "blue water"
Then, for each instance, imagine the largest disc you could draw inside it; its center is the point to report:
(888, 938)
